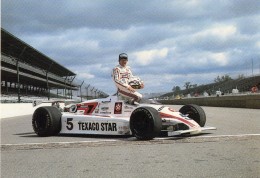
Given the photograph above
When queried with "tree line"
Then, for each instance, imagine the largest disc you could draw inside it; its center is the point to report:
(188, 85)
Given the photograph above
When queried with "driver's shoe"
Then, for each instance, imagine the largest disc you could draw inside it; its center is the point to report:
(132, 102)
(135, 103)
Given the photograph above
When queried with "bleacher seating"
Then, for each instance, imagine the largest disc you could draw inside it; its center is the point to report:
(32, 70)
(25, 70)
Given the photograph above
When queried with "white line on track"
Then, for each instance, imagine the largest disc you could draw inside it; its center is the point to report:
(46, 143)
(129, 139)
(214, 136)
(238, 135)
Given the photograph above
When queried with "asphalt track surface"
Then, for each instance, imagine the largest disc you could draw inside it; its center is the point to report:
(233, 150)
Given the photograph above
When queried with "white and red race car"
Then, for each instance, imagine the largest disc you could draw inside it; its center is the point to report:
(112, 116)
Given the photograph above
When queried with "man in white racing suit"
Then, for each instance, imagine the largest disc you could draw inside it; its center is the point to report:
(121, 76)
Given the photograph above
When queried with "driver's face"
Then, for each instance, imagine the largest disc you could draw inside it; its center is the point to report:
(123, 62)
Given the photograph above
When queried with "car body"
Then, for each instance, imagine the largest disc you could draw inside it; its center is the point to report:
(113, 116)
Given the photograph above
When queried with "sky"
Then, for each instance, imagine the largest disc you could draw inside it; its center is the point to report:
(168, 42)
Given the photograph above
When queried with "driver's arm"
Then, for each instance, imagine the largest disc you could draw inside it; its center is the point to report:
(119, 81)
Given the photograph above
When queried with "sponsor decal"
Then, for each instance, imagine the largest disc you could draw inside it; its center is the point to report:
(82, 106)
(127, 111)
(123, 128)
(161, 108)
(82, 112)
(105, 108)
(95, 126)
(118, 108)
(105, 112)
(92, 126)
(128, 107)
(107, 101)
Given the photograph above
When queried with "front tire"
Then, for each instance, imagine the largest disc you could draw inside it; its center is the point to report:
(194, 112)
(46, 121)
(145, 123)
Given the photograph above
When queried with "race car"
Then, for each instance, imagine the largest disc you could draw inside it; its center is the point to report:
(113, 116)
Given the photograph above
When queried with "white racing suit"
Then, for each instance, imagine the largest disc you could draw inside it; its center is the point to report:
(121, 76)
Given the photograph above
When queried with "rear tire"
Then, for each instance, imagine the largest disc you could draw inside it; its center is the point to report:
(145, 123)
(194, 112)
(46, 121)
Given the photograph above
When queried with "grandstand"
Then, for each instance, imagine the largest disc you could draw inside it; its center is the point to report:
(26, 71)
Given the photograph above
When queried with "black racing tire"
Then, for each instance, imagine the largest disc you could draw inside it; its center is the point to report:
(194, 112)
(46, 121)
(145, 123)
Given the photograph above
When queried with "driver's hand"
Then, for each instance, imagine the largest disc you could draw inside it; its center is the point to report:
(131, 89)
(142, 85)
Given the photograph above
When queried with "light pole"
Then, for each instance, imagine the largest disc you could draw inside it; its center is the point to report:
(87, 90)
(91, 91)
(80, 91)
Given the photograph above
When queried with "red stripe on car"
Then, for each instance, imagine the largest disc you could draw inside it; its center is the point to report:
(163, 115)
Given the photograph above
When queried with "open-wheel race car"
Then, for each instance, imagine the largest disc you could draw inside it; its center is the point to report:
(112, 116)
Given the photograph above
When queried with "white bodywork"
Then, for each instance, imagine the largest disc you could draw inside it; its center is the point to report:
(111, 116)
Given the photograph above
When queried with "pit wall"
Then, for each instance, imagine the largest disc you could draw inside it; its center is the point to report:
(20, 109)
(246, 101)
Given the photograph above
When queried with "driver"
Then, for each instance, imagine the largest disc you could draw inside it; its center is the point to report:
(121, 75)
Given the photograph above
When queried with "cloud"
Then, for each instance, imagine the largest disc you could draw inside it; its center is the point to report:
(148, 56)
(168, 42)
(219, 31)
(85, 75)
(219, 59)
(257, 44)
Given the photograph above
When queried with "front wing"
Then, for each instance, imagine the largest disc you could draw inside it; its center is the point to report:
(190, 131)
